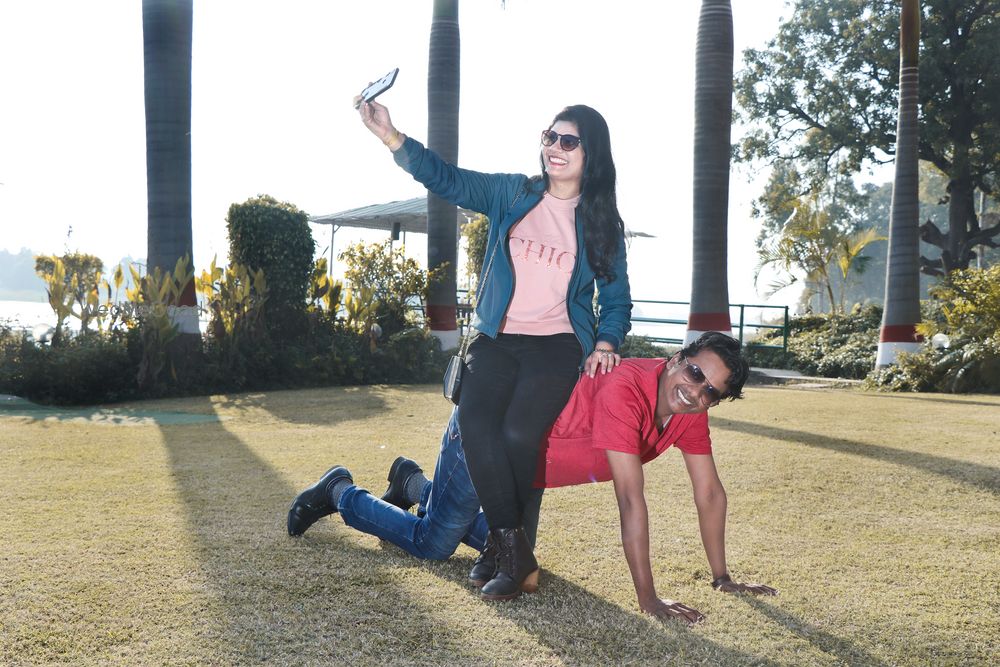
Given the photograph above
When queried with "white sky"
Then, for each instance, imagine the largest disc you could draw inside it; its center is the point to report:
(273, 82)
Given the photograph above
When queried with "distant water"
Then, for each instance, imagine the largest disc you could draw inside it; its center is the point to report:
(29, 314)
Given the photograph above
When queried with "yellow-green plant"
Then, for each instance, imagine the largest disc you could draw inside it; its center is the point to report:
(155, 295)
(235, 296)
(61, 292)
(360, 307)
(111, 311)
(397, 282)
(324, 292)
(82, 277)
(968, 304)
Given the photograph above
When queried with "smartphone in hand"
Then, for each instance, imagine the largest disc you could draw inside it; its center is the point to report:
(379, 87)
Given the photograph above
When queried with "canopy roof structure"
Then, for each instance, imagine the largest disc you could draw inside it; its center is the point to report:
(410, 215)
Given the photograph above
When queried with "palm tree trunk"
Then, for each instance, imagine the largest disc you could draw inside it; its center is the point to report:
(443, 82)
(167, 38)
(902, 279)
(713, 111)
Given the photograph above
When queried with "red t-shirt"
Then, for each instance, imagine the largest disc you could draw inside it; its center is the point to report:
(615, 411)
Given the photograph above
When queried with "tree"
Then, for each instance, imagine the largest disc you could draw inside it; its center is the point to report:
(869, 287)
(823, 93)
(787, 188)
(443, 79)
(166, 31)
(812, 243)
(902, 276)
(713, 111)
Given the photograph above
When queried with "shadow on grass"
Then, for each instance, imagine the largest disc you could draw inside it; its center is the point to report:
(973, 474)
(846, 651)
(593, 631)
(262, 596)
(325, 406)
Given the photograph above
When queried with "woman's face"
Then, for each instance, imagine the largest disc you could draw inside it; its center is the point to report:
(560, 165)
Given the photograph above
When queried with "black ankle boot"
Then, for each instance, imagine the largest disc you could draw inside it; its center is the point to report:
(400, 471)
(314, 503)
(517, 569)
(486, 564)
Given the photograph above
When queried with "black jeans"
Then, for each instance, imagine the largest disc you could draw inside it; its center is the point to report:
(513, 390)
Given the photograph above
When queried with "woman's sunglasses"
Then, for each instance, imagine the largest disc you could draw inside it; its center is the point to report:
(567, 142)
(710, 396)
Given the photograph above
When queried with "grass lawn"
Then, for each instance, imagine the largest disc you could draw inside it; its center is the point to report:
(154, 533)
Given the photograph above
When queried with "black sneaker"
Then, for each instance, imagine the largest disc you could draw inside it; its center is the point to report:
(314, 503)
(400, 471)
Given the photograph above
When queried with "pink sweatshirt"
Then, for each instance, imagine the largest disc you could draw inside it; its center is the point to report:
(543, 250)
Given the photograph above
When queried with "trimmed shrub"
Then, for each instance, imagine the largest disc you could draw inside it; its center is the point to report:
(275, 236)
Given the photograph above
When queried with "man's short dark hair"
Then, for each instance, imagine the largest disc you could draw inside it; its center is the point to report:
(728, 349)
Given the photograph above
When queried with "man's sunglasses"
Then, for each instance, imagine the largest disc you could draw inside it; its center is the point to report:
(710, 396)
(567, 142)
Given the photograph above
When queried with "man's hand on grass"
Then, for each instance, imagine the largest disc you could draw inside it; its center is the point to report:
(670, 609)
(737, 587)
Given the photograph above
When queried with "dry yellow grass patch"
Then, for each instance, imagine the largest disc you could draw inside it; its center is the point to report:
(154, 534)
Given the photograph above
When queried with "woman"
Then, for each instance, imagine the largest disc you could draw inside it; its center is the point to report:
(550, 238)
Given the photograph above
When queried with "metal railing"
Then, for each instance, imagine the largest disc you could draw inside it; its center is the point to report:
(741, 324)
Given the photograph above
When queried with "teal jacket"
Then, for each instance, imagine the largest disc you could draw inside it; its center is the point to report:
(507, 198)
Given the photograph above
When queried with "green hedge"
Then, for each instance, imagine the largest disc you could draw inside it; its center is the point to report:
(840, 346)
(93, 369)
(966, 308)
(87, 369)
(642, 347)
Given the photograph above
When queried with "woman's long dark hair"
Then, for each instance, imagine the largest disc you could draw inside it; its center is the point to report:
(602, 224)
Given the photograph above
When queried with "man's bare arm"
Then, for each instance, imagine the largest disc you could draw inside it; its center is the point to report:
(626, 471)
(710, 499)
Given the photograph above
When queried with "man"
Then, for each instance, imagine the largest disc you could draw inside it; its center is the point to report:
(612, 425)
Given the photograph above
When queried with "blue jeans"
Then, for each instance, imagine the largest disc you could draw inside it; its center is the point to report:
(448, 512)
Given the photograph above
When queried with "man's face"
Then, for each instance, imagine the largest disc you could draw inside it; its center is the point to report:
(694, 384)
